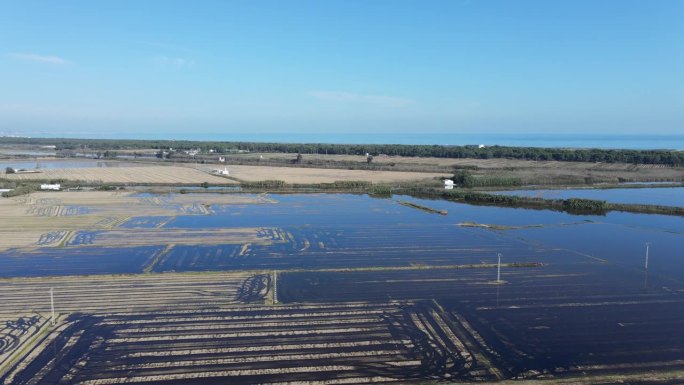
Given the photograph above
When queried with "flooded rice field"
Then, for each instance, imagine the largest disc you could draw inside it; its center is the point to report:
(333, 288)
(664, 196)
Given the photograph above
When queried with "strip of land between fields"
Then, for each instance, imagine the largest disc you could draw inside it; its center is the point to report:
(417, 267)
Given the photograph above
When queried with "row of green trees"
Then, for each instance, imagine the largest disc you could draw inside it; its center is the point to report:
(666, 157)
(572, 205)
(464, 178)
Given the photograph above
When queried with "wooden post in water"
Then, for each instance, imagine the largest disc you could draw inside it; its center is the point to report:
(646, 260)
(52, 306)
(498, 269)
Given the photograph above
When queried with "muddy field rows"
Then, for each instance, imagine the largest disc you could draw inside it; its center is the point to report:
(26, 309)
(96, 294)
(318, 344)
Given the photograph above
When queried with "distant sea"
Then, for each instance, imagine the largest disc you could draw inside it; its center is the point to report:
(632, 141)
(640, 142)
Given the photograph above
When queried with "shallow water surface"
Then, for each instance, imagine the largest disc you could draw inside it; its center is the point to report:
(573, 296)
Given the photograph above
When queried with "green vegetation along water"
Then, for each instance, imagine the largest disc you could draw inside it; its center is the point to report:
(664, 196)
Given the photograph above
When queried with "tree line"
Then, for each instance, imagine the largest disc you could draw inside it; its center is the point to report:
(664, 157)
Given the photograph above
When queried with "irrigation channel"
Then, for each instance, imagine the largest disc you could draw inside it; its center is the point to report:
(333, 289)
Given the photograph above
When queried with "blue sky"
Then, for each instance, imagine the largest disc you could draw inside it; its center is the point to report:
(362, 67)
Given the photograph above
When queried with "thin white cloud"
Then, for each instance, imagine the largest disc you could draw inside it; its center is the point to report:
(167, 47)
(350, 97)
(177, 62)
(56, 60)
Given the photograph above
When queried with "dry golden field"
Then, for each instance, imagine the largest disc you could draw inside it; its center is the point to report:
(197, 174)
(146, 174)
(529, 171)
(296, 175)
(448, 162)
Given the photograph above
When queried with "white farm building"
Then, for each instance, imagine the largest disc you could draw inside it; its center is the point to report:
(53, 187)
(223, 172)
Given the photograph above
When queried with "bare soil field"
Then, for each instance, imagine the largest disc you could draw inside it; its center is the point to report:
(295, 175)
(126, 175)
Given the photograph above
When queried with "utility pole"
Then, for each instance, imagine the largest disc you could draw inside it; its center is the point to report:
(646, 260)
(498, 269)
(275, 287)
(497, 295)
(52, 306)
